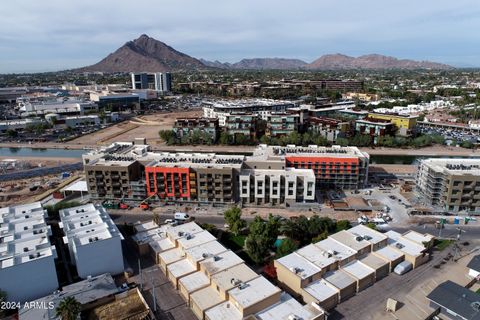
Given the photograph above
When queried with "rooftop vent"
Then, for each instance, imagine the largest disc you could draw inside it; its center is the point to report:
(216, 258)
(294, 317)
(358, 238)
(367, 237)
(399, 245)
(181, 233)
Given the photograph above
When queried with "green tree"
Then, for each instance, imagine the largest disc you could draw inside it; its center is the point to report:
(52, 210)
(11, 133)
(68, 309)
(224, 138)
(233, 217)
(286, 247)
(256, 247)
(372, 225)
(343, 225)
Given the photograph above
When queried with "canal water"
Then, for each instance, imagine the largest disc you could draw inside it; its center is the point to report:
(70, 153)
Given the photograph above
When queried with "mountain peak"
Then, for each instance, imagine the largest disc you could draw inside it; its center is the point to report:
(145, 54)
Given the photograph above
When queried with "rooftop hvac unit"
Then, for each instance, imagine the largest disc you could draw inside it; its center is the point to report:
(358, 238)
(294, 317)
(367, 237)
(180, 233)
(399, 245)
(216, 258)
(242, 286)
(188, 236)
(205, 255)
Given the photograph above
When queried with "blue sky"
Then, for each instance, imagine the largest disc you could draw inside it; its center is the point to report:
(51, 35)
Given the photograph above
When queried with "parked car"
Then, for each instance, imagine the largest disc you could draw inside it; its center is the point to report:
(403, 267)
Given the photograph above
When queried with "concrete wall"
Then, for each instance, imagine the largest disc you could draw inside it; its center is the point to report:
(30, 280)
(100, 257)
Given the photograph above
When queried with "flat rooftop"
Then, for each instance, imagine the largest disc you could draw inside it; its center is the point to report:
(288, 307)
(373, 261)
(220, 262)
(253, 291)
(192, 240)
(228, 278)
(206, 298)
(245, 103)
(180, 231)
(145, 226)
(454, 166)
(87, 224)
(368, 234)
(171, 256)
(316, 255)
(266, 152)
(321, 290)
(340, 279)
(150, 235)
(336, 249)
(161, 245)
(405, 245)
(186, 160)
(456, 299)
(357, 243)
(224, 311)
(358, 269)
(205, 251)
(194, 281)
(180, 268)
(299, 266)
(389, 253)
(418, 237)
(24, 235)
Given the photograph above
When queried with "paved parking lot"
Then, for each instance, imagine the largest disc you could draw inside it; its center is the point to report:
(410, 290)
(170, 305)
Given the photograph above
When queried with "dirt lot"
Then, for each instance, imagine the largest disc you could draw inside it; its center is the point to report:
(139, 127)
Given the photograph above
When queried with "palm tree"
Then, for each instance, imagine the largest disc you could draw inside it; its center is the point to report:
(68, 309)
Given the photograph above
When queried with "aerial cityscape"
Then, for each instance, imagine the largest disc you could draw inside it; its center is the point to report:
(240, 160)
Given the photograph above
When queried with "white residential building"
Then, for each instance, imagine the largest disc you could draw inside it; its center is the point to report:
(282, 186)
(94, 242)
(27, 258)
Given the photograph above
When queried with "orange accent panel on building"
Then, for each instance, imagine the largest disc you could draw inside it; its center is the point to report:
(173, 184)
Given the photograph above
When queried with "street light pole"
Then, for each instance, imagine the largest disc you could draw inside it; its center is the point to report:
(154, 298)
(141, 275)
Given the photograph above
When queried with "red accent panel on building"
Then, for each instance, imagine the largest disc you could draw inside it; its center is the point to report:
(170, 188)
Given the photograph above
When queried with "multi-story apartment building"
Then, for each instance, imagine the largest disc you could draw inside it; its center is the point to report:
(157, 81)
(241, 124)
(281, 124)
(405, 124)
(194, 177)
(127, 171)
(114, 177)
(450, 184)
(329, 128)
(94, 242)
(185, 128)
(337, 167)
(375, 128)
(259, 107)
(27, 258)
(276, 187)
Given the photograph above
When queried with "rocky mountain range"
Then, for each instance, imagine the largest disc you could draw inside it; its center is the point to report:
(150, 55)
